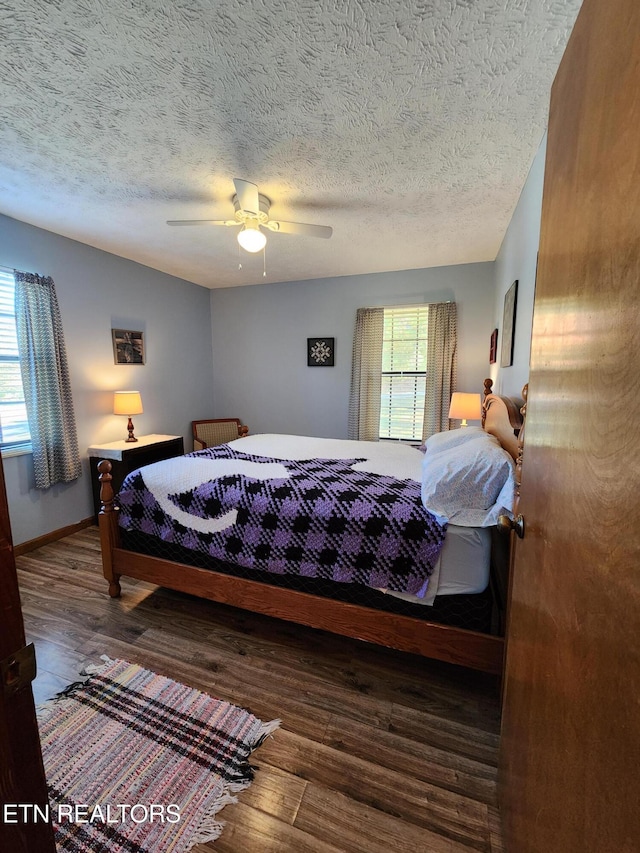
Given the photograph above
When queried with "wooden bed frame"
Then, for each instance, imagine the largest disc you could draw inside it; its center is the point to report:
(476, 650)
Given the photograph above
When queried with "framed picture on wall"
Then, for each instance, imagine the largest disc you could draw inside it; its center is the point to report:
(509, 325)
(493, 347)
(128, 346)
(321, 352)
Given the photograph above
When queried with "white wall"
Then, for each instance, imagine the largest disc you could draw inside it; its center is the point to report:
(98, 291)
(260, 337)
(517, 259)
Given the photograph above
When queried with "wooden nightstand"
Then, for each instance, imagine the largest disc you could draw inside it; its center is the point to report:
(127, 456)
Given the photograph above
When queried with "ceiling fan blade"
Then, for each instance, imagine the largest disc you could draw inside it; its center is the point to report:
(300, 228)
(247, 196)
(202, 222)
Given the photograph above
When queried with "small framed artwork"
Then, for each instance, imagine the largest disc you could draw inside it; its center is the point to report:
(321, 352)
(493, 348)
(128, 346)
(509, 325)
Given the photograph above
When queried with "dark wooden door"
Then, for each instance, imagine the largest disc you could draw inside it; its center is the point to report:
(22, 779)
(570, 747)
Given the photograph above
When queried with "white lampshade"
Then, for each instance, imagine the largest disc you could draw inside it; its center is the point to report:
(465, 406)
(251, 237)
(127, 403)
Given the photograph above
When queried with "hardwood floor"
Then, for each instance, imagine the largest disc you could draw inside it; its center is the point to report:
(378, 750)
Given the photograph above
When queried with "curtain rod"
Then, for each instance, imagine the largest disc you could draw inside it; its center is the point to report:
(11, 269)
(15, 269)
(412, 304)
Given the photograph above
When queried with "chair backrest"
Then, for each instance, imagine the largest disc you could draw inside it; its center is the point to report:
(209, 433)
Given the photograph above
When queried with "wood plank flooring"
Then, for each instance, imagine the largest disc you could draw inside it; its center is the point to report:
(378, 750)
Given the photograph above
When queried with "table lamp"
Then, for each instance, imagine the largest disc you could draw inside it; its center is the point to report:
(465, 406)
(127, 403)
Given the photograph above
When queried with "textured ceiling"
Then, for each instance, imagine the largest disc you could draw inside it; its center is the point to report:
(408, 126)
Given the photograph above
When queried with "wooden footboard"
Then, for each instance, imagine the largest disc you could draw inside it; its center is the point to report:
(483, 652)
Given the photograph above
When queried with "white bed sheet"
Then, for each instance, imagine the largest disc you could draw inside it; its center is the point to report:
(462, 567)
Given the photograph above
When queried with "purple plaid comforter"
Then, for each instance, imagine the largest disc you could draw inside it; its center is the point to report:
(320, 519)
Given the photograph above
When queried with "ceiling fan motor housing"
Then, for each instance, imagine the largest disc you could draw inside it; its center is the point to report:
(244, 215)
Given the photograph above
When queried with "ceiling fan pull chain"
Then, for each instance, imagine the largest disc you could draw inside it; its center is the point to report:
(264, 261)
(239, 258)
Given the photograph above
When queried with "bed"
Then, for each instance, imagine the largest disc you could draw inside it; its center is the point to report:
(437, 588)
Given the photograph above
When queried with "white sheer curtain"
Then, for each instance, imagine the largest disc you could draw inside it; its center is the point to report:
(366, 375)
(442, 366)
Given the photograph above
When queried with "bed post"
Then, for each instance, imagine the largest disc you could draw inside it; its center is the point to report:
(523, 412)
(488, 385)
(108, 524)
(505, 523)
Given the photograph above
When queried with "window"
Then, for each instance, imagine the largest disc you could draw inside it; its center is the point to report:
(14, 428)
(404, 372)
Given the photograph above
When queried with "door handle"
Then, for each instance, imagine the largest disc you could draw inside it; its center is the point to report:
(507, 524)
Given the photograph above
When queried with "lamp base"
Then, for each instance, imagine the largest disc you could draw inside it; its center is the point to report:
(131, 435)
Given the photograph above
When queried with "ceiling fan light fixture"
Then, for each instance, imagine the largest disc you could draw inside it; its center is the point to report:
(251, 237)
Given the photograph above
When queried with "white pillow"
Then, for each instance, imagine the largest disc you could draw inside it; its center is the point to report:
(469, 483)
(453, 437)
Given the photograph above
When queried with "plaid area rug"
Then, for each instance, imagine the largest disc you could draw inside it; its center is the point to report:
(137, 762)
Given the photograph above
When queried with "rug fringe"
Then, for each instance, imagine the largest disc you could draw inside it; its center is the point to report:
(210, 827)
(45, 709)
(265, 730)
(270, 727)
(97, 668)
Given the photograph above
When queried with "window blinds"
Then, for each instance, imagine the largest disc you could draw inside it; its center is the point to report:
(404, 368)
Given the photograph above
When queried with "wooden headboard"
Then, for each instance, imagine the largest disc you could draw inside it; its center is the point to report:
(502, 417)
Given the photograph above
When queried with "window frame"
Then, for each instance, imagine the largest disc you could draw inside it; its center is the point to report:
(417, 422)
(22, 444)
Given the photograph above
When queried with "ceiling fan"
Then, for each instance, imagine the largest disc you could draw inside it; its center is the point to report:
(252, 213)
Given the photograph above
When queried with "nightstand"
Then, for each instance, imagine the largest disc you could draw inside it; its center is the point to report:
(126, 456)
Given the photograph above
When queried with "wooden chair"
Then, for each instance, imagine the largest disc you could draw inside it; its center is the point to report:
(208, 433)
